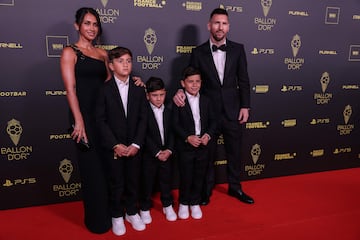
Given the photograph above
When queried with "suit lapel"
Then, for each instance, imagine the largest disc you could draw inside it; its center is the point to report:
(116, 93)
(210, 61)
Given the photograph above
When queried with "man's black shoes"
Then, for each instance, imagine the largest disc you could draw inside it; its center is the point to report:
(240, 195)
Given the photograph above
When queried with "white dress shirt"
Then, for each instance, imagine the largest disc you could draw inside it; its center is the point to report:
(158, 113)
(124, 91)
(219, 60)
(194, 102)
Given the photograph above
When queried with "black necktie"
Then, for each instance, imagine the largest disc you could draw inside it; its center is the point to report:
(222, 48)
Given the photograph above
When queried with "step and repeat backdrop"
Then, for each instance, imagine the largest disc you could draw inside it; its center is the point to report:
(303, 57)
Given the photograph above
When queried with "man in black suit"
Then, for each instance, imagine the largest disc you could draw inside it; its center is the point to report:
(225, 78)
(121, 120)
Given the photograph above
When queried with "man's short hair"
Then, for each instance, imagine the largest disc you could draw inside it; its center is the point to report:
(218, 11)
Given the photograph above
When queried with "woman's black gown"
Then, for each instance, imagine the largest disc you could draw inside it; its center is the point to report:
(90, 74)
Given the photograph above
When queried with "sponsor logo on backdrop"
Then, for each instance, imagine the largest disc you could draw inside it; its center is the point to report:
(16, 152)
(317, 152)
(332, 15)
(284, 156)
(291, 88)
(351, 87)
(106, 47)
(107, 15)
(192, 6)
(346, 128)
(295, 63)
(11, 45)
(55, 45)
(356, 17)
(255, 168)
(55, 93)
(328, 52)
(7, 2)
(342, 150)
(69, 188)
(149, 3)
(261, 88)
(19, 182)
(55, 137)
(257, 125)
(150, 62)
(184, 49)
(263, 51)
(317, 121)
(13, 94)
(220, 141)
(298, 13)
(265, 23)
(323, 97)
(354, 53)
(289, 123)
(229, 8)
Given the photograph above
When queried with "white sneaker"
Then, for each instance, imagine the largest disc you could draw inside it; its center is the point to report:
(118, 226)
(196, 212)
(183, 211)
(145, 216)
(169, 213)
(135, 222)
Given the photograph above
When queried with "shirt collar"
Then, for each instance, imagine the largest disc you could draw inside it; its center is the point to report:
(153, 107)
(122, 82)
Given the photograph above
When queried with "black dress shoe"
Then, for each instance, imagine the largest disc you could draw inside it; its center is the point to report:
(239, 194)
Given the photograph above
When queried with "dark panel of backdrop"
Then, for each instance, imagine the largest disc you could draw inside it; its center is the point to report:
(303, 56)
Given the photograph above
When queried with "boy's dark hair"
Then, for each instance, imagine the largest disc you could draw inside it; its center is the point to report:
(118, 52)
(154, 84)
(190, 71)
(218, 11)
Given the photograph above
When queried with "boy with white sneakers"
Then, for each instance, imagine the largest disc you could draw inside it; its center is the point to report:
(157, 154)
(195, 125)
(121, 120)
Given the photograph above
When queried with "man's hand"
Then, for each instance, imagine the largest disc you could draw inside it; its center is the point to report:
(138, 81)
(243, 115)
(205, 139)
(179, 98)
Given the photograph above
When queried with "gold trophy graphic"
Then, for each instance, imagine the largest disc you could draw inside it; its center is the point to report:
(347, 113)
(104, 2)
(150, 40)
(324, 80)
(295, 44)
(255, 153)
(266, 4)
(14, 130)
(66, 168)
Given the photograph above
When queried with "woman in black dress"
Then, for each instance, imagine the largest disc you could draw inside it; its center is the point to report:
(84, 69)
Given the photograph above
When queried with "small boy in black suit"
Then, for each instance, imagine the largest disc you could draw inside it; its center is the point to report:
(157, 154)
(121, 120)
(195, 125)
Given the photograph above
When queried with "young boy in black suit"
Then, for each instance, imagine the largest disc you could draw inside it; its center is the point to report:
(121, 119)
(195, 126)
(157, 154)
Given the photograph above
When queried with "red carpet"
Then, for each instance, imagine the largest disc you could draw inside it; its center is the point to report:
(310, 206)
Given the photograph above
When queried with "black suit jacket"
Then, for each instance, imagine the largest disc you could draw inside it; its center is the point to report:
(235, 91)
(184, 125)
(153, 142)
(113, 125)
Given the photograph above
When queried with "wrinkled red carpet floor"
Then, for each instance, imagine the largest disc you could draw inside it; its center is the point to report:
(317, 206)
